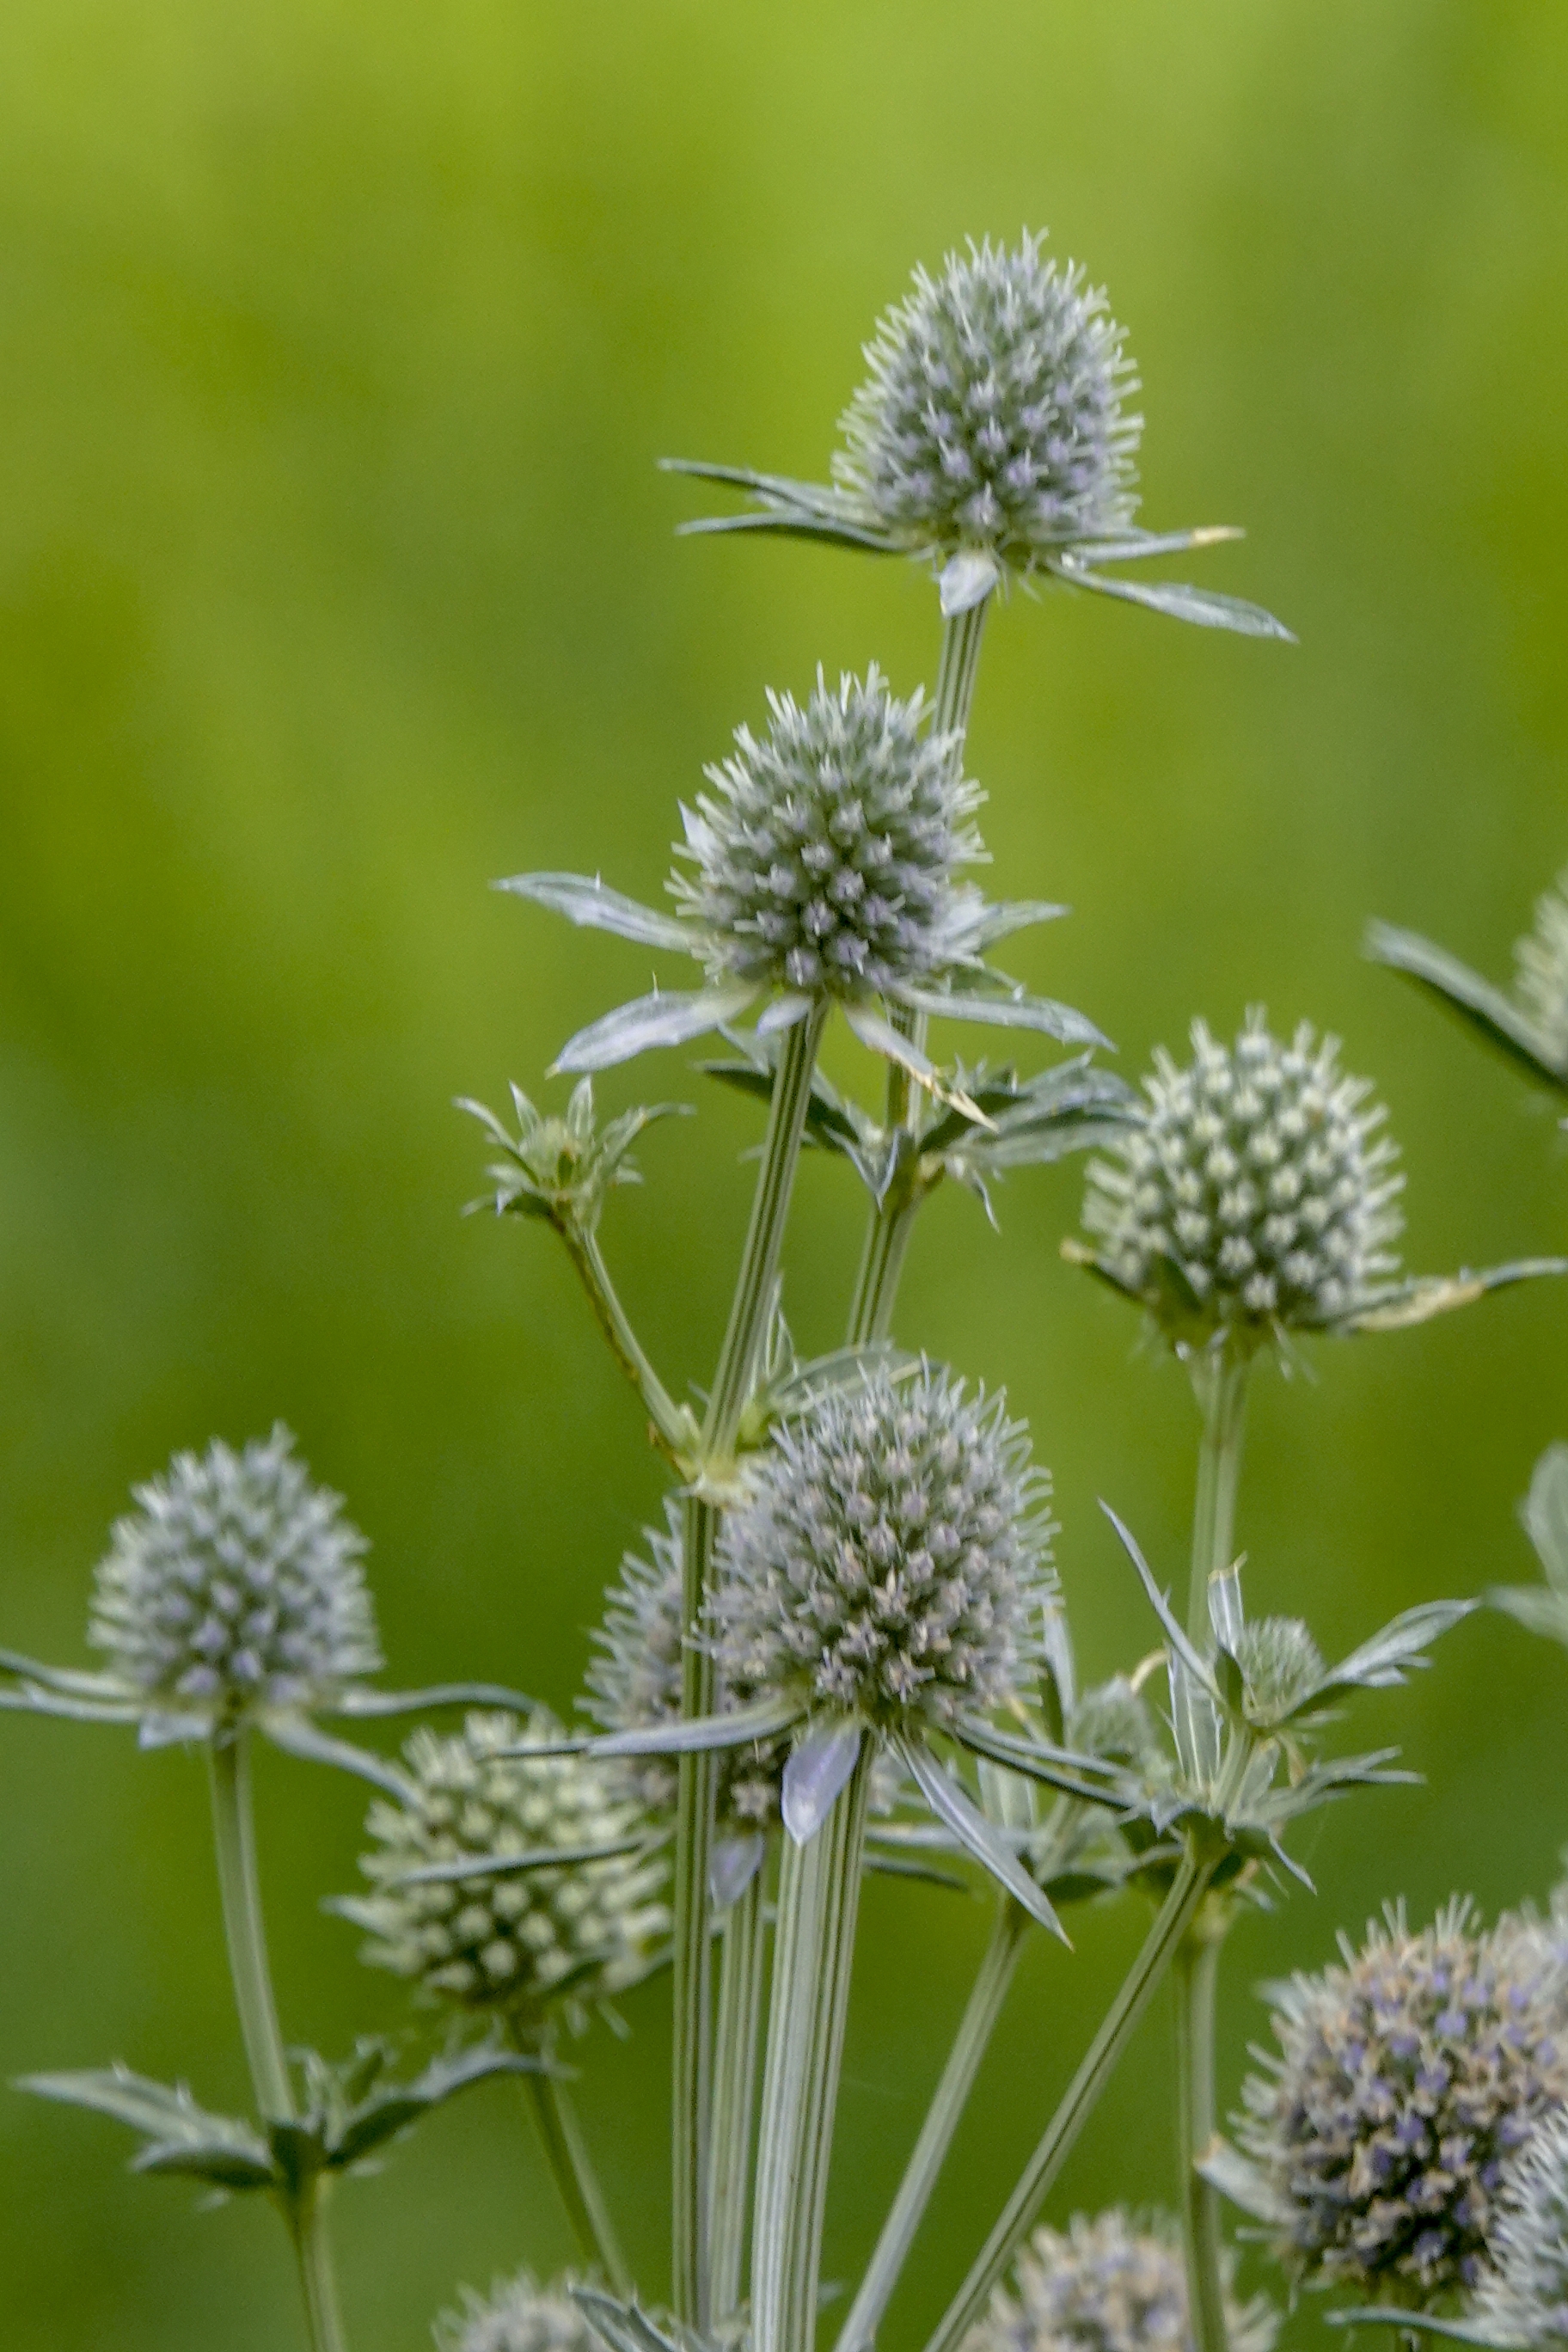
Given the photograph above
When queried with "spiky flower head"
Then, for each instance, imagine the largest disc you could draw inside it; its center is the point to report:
(890, 1558)
(1523, 2299)
(1106, 2284)
(824, 857)
(517, 2316)
(633, 1682)
(517, 1940)
(1257, 1174)
(1541, 980)
(992, 414)
(234, 1586)
(1405, 2080)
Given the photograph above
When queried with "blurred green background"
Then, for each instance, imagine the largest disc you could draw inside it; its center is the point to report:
(337, 345)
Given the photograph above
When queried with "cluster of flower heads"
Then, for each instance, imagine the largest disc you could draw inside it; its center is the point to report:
(993, 415)
(1523, 2298)
(1108, 2285)
(633, 1682)
(514, 1939)
(517, 2316)
(824, 858)
(1258, 1172)
(1406, 2081)
(234, 1586)
(890, 1559)
(1541, 972)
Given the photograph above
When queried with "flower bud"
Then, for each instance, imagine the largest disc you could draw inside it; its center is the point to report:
(1102, 2285)
(993, 415)
(890, 1558)
(515, 1941)
(234, 1586)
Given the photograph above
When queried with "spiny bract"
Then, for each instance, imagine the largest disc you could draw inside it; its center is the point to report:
(1256, 1170)
(517, 2316)
(516, 1940)
(235, 1586)
(1406, 2078)
(635, 1682)
(992, 414)
(1106, 2285)
(1523, 2298)
(825, 855)
(891, 1558)
(1541, 971)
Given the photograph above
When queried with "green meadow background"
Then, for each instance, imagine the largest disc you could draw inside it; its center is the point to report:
(337, 346)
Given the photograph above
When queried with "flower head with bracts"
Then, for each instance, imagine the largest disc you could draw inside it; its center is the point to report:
(991, 439)
(823, 869)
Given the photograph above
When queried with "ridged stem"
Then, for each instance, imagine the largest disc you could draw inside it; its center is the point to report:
(1220, 1379)
(744, 1944)
(693, 2057)
(948, 2101)
(1196, 1970)
(234, 1837)
(1077, 2101)
(814, 1950)
(572, 2168)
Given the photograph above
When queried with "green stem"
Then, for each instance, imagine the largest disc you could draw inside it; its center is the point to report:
(572, 2167)
(1197, 1965)
(1018, 2216)
(1220, 1380)
(693, 2058)
(233, 1834)
(948, 2103)
(737, 2043)
(814, 1950)
(673, 1429)
(892, 1220)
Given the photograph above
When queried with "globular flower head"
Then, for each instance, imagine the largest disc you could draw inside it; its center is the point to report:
(517, 1941)
(824, 858)
(1541, 972)
(234, 1586)
(1523, 2298)
(1258, 1173)
(1406, 2079)
(993, 415)
(1107, 2285)
(890, 1558)
(635, 1682)
(517, 2316)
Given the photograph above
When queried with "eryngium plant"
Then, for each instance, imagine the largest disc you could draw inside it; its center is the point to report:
(234, 1586)
(511, 1883)
(1406, 2079)
(517, 2316)
(1106, 2284)
(1523, 2299)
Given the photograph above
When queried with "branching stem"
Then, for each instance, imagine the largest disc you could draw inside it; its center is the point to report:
(572, 2168)
(673, 1430)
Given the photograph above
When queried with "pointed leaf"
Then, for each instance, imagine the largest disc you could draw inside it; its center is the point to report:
(28, 1698)
(511, 1865)
(70, 1680)
(764, 1718)
(592, 904)
(954, 1807)
(224, 2166)
(999, 920)
(1088, 1777)
(1463, 991)
(966, 579)
(183, 2138)
(1425, 1295)
(670, 1017)
(299, 1737)
(1544, 1513)
(785, 523)
(1131, 546)
(398, 2105)
(879, 1036)
(816, 1776)
(1200, 605)
(623, 2326)
(1383, 1663)
(889, 1863)
(365, 1704)
(1244, 2183)
(999, 1007)
(1160, 1603)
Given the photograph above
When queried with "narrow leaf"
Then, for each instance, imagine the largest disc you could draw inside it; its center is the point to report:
(510, 1865)
(1088, 1777)
(1199, 605)
(1463, 991)
(665, 1018)
(954, 1807)
(1383, 1663)
(999, 1007)
(399, 2106)
(591, 904)
(764, 1718)
(359, 1702)
(298, 1737)
(224, 2166)
(816, 1776)
(879, 1036)
(1425, 1295)
(67, 1679)
(1160, 1603)
(623, 2326)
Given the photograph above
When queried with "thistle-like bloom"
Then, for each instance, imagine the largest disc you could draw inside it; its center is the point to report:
(1258, 1177)
(1406, 2079)
(468, 1900)
(1530, 1025)
(993, 416)
(517, 2316)
(1106, 2285)
(235, 1588)
(891, 1561)
(824, 867)
(991, 434)
(1523, 2300)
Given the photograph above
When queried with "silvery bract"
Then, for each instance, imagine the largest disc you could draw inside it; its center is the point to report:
(1406, 2079)
(1106, 2284)
(1523, 2299)
(234, 1586)
(1530, 1023)
(511, 1881)
(517, 2316)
